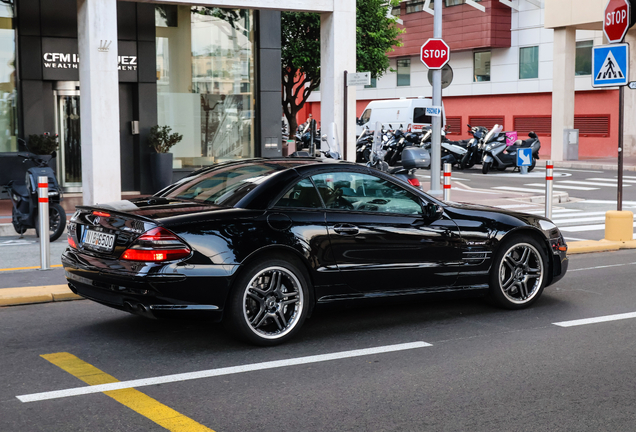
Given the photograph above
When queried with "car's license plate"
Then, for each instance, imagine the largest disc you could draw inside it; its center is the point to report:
(99, 240)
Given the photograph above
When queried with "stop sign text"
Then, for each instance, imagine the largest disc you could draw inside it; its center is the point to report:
(434, 53)
(616, 21)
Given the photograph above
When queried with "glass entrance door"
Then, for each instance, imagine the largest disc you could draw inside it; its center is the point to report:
(68, 128)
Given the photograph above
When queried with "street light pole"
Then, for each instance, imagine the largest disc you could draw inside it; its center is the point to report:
(436, 142)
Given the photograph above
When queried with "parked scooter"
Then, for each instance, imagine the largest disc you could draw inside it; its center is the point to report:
(412, 159)
(24, 198)
(498, 154)
(452, 152)
(474, 151)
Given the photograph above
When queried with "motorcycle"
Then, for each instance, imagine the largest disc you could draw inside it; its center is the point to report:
(498, 154)
(452, 152)
(474, 148)
(24, 198)
(412, 159)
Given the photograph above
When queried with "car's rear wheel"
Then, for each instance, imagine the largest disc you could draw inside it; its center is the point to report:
(269, 302)
(519, 273)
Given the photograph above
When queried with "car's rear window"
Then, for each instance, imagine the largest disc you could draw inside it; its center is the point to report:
(227, 185)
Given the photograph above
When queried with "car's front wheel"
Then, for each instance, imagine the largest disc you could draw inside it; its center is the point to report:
(269, 302)
(519, 272)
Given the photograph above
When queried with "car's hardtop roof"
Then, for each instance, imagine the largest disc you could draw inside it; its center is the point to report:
(289, 162)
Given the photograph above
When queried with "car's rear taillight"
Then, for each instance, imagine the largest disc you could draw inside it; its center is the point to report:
(414, 182)
(156, 245)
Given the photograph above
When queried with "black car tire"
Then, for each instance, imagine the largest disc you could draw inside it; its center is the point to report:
(518, 273)
(269, 302)
(485, 167)
(57, 222)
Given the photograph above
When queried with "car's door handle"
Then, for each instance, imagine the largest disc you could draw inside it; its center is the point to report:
(346, 229)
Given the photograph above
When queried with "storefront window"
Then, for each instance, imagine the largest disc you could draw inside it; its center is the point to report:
(8, 93)
(205, 82)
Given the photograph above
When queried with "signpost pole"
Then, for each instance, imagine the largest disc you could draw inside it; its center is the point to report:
(436, 141)
(346, 105)
(621, 100)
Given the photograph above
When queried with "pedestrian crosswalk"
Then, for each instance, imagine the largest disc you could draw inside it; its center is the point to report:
(589, 184)
(568, 220)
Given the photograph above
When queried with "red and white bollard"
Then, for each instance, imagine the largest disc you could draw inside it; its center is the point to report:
(447, 181)
(43, 216)
(549, 180)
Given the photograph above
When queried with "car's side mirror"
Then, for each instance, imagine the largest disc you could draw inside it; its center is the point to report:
(433, 212)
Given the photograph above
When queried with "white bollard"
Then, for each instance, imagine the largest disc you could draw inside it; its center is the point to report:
(549, 179)
(43, 221)
(447, 181)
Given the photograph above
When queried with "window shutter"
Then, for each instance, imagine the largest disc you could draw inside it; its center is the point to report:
(488, 122)
(541, 125)
(592, 125)
(454, 125)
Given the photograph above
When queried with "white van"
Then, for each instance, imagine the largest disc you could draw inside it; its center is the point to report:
(395, 112)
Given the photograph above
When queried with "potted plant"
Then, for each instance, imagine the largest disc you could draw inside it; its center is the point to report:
(161, 140)
(44, 144)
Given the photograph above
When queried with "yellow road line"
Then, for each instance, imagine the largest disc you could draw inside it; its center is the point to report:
(134, 399)
(28, 268)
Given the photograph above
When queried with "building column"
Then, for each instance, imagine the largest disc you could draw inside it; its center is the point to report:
(562, 87)
(629, 127)
(99, 107)
(338, 54)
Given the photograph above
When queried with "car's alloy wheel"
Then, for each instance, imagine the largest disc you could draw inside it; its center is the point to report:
(270, 302)
(519, 272)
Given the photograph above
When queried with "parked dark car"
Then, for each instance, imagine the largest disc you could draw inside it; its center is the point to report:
(259, 243)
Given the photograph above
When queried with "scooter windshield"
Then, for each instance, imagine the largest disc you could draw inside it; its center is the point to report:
(496, 130)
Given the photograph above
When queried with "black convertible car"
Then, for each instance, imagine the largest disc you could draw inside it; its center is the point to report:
(259, 243)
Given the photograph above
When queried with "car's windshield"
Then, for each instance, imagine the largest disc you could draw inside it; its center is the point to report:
(227, 186)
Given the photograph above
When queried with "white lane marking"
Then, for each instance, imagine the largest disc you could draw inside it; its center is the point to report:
(560, 215)
(629, 177)
(602, 267)
(611, 202)
(573, 211)
(560, 186)
(16, 243)
(474, 191)
(582, 228)
(574, 239)
(589, 183)
(595, 320)
(579, 170)
(614, 180)
(218, 372)
(584, 219)
(516, 189)
(511, 206)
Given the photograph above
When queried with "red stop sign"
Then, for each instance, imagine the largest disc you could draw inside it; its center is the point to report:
(434, 53)
(616, 21)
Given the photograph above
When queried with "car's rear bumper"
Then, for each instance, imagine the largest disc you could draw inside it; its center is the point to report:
(168, 290)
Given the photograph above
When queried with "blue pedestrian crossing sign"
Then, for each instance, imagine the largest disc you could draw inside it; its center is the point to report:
(610, 65)
(524, 157)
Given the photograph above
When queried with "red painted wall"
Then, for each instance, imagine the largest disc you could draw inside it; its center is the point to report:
(586, 103)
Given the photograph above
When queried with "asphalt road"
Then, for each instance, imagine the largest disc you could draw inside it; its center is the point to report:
(486, 369)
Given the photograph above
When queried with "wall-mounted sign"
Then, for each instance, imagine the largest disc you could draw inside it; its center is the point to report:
(60, 60)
